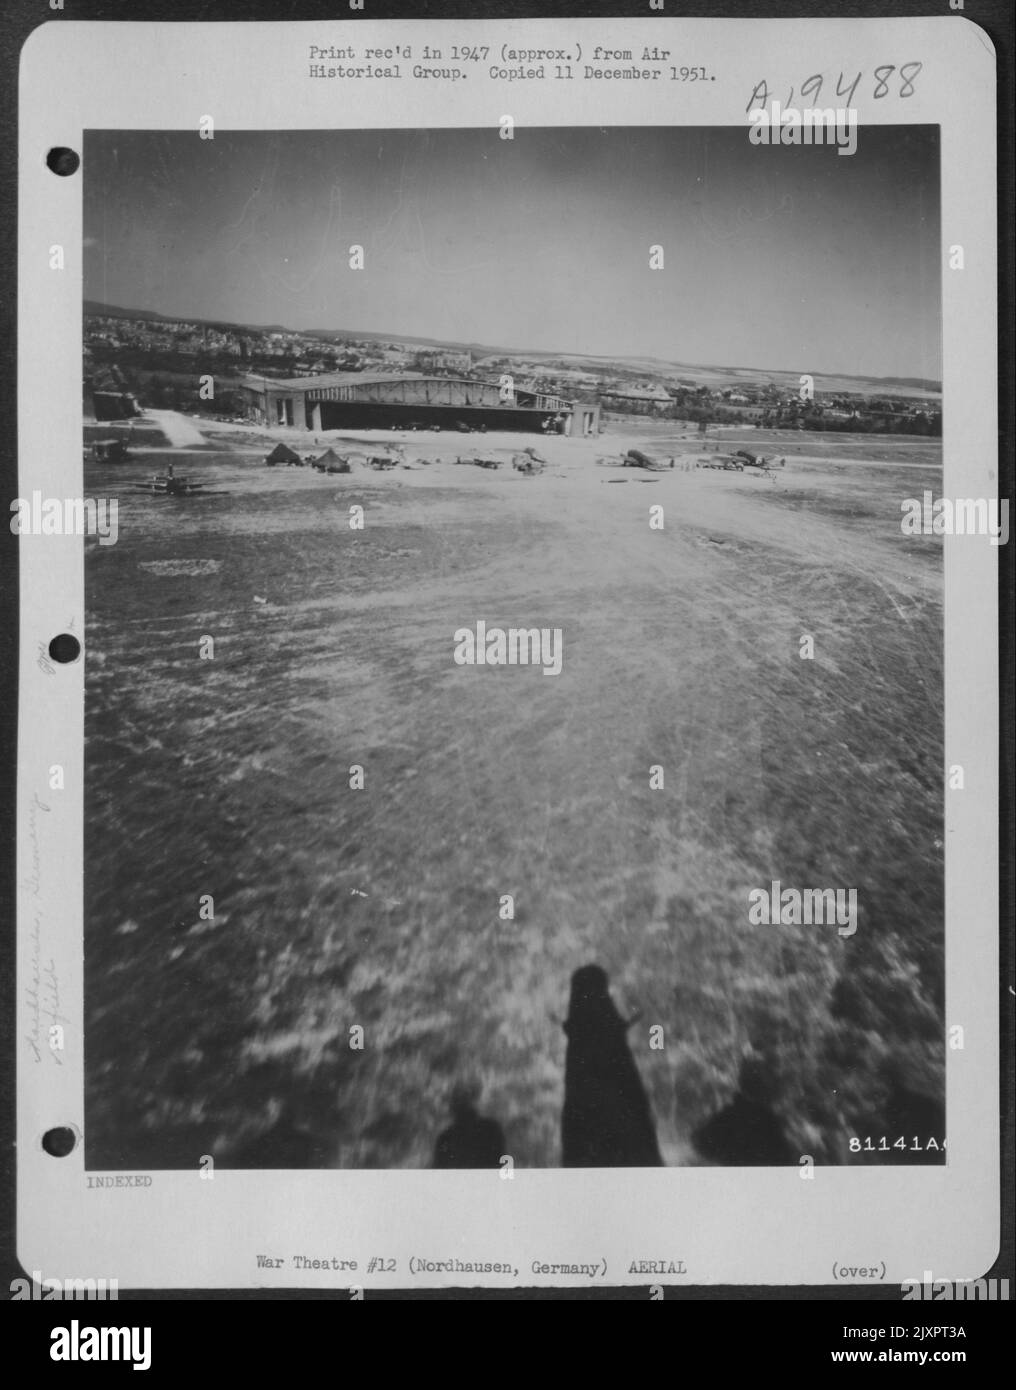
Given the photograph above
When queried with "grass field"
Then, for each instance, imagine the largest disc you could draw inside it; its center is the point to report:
(378, 908)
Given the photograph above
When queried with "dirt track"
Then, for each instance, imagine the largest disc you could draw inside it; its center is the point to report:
(379, 908)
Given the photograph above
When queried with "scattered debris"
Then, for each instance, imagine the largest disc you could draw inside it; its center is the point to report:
(635, 458)
(766, 465)
(180, 567)
(727, 463)
(528, 462)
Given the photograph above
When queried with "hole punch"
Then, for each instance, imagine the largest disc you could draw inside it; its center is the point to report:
(63, 161)
(59, 1141)
(64, 648)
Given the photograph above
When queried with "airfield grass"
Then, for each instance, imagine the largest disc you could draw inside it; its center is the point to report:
(378, 909)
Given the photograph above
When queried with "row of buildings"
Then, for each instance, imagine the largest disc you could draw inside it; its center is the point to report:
(281, 350)
(412, 400)
(337, 381)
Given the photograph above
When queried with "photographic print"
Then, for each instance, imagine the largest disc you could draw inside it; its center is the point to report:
(509, 519)
(513, 648)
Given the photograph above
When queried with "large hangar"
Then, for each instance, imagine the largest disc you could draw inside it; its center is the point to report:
(404, 400)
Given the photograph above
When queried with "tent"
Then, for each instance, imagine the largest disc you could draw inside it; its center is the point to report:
(331, 462)
(282, 453)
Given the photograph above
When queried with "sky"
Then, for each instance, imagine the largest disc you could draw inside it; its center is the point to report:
(790, 258)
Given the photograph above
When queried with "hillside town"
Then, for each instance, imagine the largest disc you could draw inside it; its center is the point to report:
(158, 362)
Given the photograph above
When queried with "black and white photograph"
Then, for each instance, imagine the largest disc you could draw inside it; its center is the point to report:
(514, 694)
(511, 526)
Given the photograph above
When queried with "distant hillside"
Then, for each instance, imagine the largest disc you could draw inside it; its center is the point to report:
(441, 344)
(114, 311)
(702, 372)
